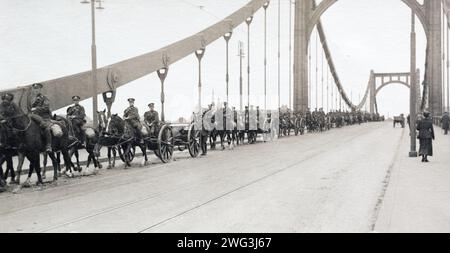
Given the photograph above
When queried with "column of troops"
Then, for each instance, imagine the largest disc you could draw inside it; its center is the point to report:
(40, 132)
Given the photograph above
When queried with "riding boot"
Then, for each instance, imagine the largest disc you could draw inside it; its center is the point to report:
(48, 140)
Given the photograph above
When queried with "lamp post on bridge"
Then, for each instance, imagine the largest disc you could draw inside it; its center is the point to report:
(94, 63)
(413, 90)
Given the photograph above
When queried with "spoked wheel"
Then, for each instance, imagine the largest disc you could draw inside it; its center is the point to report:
(165, 144)
(193, 141)
(127, 154)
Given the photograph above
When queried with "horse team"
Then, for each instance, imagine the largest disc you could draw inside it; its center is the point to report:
(28, 135)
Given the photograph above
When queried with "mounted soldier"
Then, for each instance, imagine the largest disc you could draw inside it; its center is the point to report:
(77, 118)
(151, 118)
(131, 116)
(39, 106)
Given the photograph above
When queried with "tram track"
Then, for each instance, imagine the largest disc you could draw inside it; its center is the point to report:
(314, 152)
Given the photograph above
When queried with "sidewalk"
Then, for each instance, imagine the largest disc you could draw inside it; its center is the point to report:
(418, 196)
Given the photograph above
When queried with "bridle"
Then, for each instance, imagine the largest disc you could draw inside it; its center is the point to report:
(8, 119)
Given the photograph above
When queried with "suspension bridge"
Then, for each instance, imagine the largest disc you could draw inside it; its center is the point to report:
(291, 178)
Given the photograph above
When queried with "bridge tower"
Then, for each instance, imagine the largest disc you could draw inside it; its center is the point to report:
(433, 16)
(307, 16)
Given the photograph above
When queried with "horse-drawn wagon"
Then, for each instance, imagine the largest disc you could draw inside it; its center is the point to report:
(161, 139)
(399, 120)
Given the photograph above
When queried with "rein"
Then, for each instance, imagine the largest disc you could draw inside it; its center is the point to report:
(19, 116)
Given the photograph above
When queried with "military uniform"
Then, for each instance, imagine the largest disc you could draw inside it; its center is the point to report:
(39, 105)
(76, 115)
(151, 118)
(131, 115)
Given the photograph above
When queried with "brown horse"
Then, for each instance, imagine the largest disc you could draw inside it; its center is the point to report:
(30, 139)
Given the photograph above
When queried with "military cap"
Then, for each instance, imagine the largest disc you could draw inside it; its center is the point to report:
(76, 98)
(8, 96)
(131, 100)
(151, 104)
(37, 85)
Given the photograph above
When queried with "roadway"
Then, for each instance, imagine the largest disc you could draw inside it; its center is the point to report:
(337, 181)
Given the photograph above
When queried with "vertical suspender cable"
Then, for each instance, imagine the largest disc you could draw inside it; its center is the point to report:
(310, 77)
(317, 71)
(328, 91)
(322, 103)
(248, 21)
(290, 54)
(265, 55)
(448, 66)
(279, 53)
(443, 57)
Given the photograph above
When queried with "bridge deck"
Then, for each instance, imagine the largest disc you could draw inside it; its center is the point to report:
(315, 183)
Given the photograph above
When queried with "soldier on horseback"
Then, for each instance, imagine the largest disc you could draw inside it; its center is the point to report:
(77, 117)
(151, 118)
(39, 106)
(131, 116)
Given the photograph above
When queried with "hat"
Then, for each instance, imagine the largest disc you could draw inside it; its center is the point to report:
(151, 104)
(37, 85)
(8, 96)
(131, 100)
(426, 113)
(76, 98)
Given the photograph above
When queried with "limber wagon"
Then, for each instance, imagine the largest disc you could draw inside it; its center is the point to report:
(162, 142)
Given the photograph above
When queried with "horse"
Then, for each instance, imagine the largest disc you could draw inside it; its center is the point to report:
(223, 129)
(120, 138)
(74, 144)
(30, 140)
(7, 152)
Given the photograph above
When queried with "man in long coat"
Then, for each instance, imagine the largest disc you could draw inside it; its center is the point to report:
(445, 123)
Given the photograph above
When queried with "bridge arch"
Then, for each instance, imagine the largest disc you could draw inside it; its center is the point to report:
(319, 10)
(391, 82)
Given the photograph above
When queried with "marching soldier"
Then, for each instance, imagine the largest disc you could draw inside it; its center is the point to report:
(131, 115)
(39, 106)
(151, 118)
(77, 116)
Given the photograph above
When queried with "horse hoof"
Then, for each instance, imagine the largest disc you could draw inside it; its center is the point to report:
(44, 177)
(26, 185)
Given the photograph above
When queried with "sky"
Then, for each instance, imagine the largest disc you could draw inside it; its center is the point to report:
(47, 39)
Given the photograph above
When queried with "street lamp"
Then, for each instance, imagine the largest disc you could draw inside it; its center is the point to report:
(94, 63)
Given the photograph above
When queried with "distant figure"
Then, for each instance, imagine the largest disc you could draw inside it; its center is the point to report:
(426, 136)
(445, 122)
